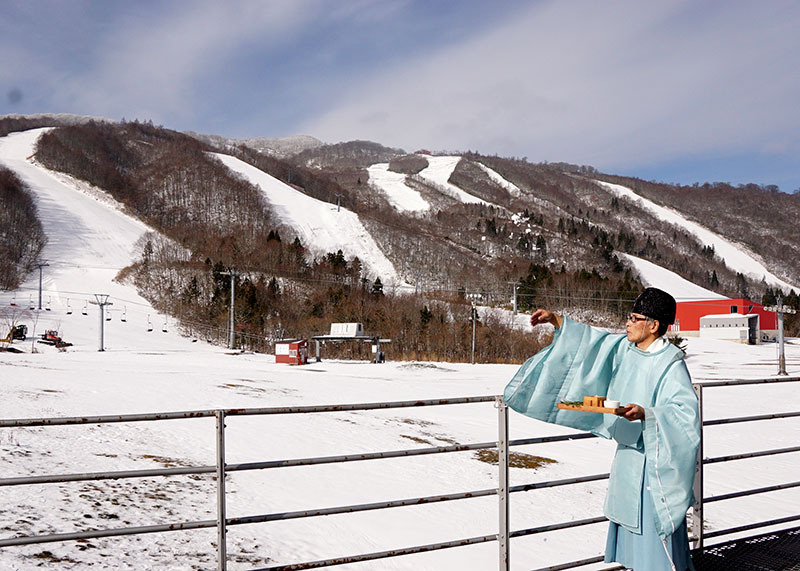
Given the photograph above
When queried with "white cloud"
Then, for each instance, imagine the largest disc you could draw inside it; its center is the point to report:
(150, 64)
(601, 83)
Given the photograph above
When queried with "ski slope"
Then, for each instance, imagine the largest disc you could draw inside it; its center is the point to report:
(321, 226)
(680, 288)
(735, 256)
(438, 172)
(393, 185)
(512, 188)
(89, 240)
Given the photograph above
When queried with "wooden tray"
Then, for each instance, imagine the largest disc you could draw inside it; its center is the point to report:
(590, 408)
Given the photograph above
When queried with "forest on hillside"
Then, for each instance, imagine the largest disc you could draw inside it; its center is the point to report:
(555, 239)
(21, 234)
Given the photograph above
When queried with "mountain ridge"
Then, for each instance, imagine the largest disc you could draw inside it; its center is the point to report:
(555, 229)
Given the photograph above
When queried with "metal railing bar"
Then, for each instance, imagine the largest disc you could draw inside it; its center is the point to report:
(773, 416)
(751, 455)
(558, 526)
(381, 554)
(94, 534)
(554, 483)
(740, 382)
(357, 457)
(360, 507)
(751, 492)
(751, 526)
(357, 406)
(581, 563)
(188, 470)
(105, 419)
(544, 439)
(61, 478)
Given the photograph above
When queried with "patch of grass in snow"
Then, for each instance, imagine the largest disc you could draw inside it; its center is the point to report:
(424, 366)
(50, 557)
(417, 422)
(244, 388)
(417, 439)
(163, 460)
(515, 459)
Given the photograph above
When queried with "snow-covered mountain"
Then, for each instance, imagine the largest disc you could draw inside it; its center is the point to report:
(324, 227)
(147, 369)
(736, 256)
(90, 239)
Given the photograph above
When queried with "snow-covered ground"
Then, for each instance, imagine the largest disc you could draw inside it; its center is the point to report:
(90, 239)
(141, 371)
(736, 256)
(438, 172)
(656, 276)
(393, 185)
(183, 376)
(512, 188)
(322, 227)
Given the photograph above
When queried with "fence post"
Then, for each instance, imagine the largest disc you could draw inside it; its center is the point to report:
(502, 492)
(697, 488)
(222, 551)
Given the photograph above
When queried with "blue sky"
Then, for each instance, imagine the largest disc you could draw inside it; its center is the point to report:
(671, 90)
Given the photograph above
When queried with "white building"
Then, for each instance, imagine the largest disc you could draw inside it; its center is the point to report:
(732, 326)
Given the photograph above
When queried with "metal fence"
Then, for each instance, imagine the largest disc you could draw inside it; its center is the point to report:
(502, 491)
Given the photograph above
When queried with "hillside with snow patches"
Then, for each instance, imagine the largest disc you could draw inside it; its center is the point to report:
(437, 174)
(321, 226)
(736, 256)
(142, 370)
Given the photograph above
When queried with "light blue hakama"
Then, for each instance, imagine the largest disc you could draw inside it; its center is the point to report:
(646, 551)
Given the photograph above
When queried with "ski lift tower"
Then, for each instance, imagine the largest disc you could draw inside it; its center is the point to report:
(780, 310)
(102, 302)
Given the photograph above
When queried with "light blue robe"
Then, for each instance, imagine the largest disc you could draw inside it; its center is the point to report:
(585, 361)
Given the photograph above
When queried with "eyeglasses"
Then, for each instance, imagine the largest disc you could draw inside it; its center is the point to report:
(635, 318)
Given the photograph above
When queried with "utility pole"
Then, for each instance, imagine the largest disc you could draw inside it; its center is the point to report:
(780, 310)
(102, 302)
(473, 297)
(41, 265)
(515, 284)
(231, 333)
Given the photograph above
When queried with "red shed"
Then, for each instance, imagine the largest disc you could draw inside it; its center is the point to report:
(291, 351)
(688, 314)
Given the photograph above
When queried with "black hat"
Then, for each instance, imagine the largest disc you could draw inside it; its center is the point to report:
(656, 304)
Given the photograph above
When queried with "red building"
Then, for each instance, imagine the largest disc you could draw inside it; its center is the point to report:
(291, 351)
(688, 314)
